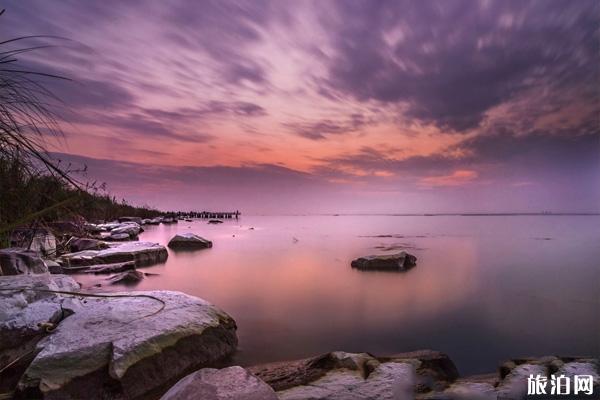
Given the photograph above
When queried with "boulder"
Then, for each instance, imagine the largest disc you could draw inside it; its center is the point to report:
(40, 239)
(421, 375)
(233, 383)
(340, 375)
(514, 385)
(117, 237)
(81, 244)
(390, 262)
(15, 261)
(137, 220)
(189, 241)
(357, 377)
(130, 228)
(128, 346)
(511, 380)
(127, 277)
(141, 253)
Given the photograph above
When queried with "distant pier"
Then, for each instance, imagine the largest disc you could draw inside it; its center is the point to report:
(212, 214)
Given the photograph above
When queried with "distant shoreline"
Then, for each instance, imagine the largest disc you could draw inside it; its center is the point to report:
(515, 214)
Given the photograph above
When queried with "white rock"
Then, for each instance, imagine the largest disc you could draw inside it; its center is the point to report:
(514, 385)
(391, 380)
(233, 383)
(143, 253)
(130, 345)
(22, 310)
(471, 391)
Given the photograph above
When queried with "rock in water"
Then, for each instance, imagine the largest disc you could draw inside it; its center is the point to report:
(189, 241)
(233, 383)
(126, 277)
(391, 262)
(128, 347)
(215, 221)
(15, 261)
(142, 253)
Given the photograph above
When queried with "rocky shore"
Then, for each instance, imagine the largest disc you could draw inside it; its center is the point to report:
(58, 341)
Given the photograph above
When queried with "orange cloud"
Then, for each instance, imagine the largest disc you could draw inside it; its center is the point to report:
(457, 178)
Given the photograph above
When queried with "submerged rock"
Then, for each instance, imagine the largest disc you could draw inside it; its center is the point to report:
(215, 221)
(392, 262)
(16, 261)
(233, 383)
(127, 347)
(189, 241)
(142, 253)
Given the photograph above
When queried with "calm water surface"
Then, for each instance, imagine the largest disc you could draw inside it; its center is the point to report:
(484, 289)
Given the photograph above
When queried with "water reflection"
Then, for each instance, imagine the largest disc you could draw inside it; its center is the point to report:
(483, 289)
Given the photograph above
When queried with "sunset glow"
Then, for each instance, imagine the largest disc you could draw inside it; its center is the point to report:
(315, 106)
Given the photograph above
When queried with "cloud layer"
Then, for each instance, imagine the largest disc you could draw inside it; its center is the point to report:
(405, 104)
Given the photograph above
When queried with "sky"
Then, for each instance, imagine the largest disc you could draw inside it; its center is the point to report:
(325, 106)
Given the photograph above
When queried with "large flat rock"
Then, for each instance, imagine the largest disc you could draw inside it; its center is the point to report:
(233, 383)
(128, 346)
(142, 253)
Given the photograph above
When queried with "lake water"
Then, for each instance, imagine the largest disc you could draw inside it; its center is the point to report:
(484, 289)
